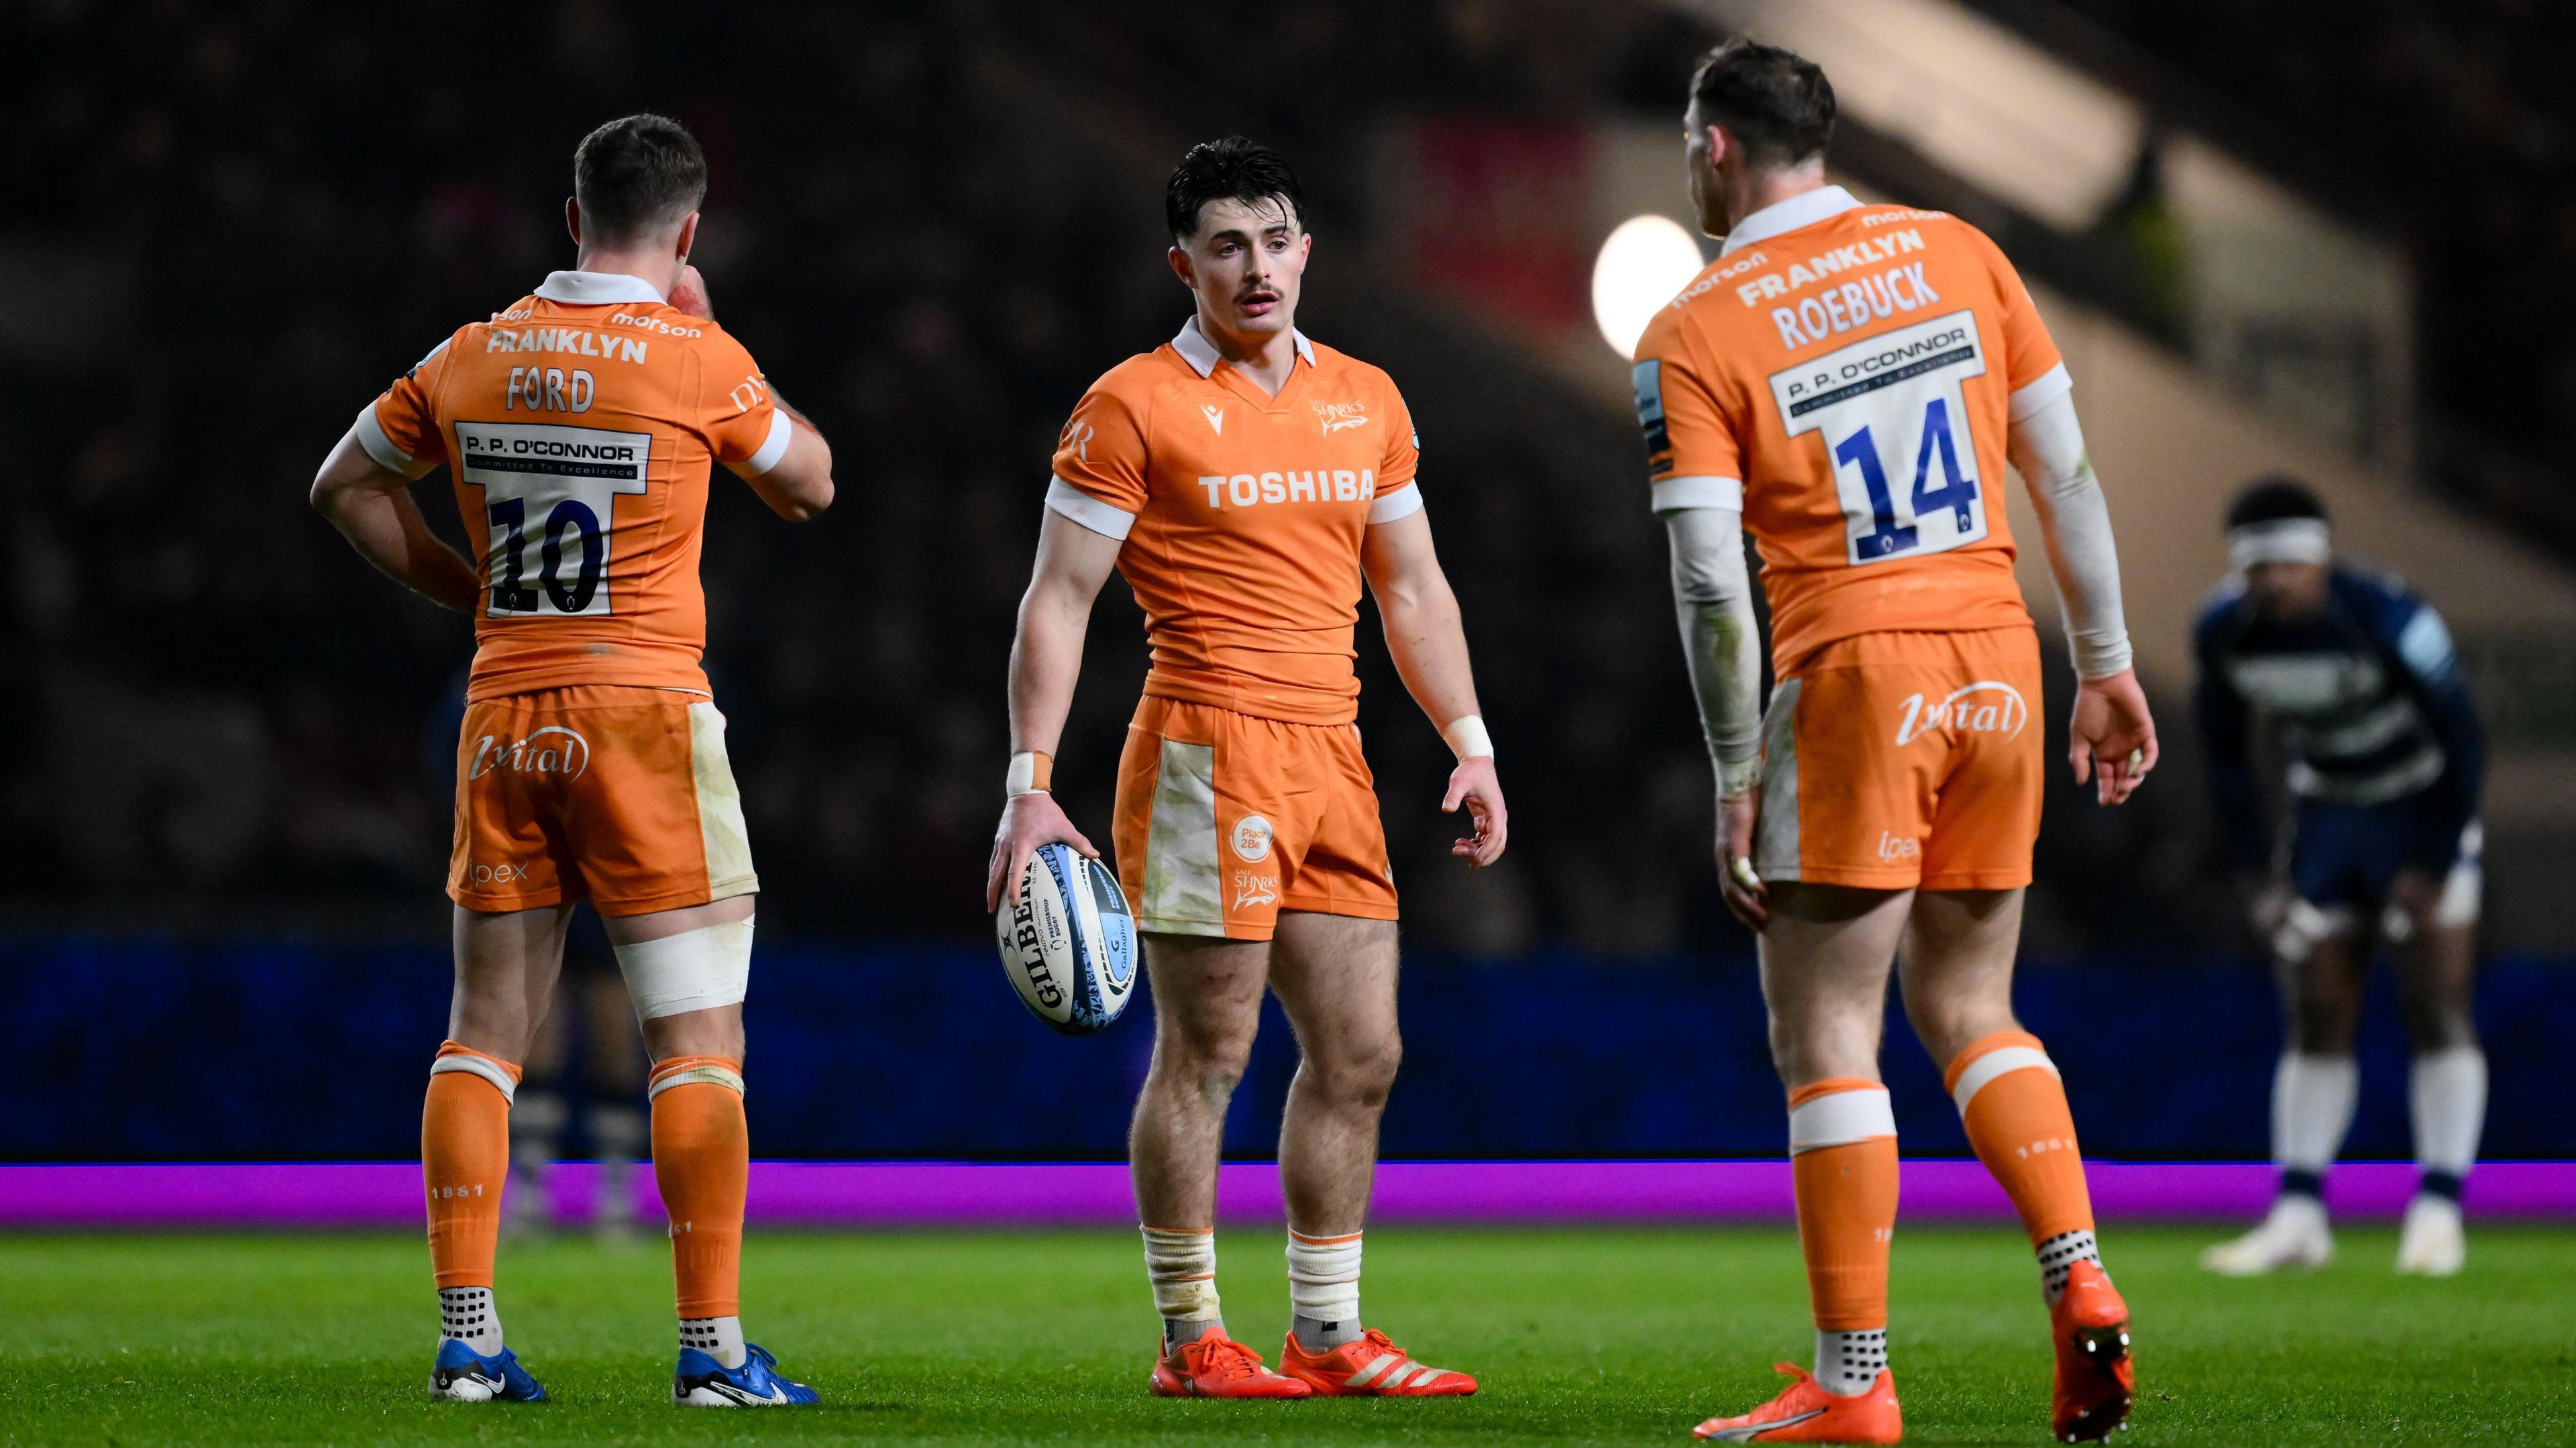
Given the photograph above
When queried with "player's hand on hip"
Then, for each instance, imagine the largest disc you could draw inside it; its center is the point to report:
(689, 294)
(1028, 821)
(1745, 894)
(2112, 739)
(1475, 785)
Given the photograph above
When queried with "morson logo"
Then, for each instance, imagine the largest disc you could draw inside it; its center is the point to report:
(551, 750)
(1984, 707)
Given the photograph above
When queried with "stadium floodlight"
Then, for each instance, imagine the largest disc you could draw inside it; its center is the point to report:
(1645, 261)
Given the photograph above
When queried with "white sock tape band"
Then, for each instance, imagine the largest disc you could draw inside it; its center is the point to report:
(1324, 1277)
(696, 970)
(1467, 737)
(1995, 1063)
(696, 1076)
(1839, 1119)
(1182, 1267)
(477, 1066)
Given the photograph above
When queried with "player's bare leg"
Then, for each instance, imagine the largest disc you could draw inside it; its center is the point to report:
(506, 963)
(2446, 1086)
(1957, 978)
(615, 1065)
(1335, 975)
(1207, 1008)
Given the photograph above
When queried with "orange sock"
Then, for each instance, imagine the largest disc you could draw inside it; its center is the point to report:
(702, 1163)
(464, 1159)
(2014, 1106)
(1842, 1152)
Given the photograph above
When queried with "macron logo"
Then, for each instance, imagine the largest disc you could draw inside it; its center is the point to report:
(1215, 417)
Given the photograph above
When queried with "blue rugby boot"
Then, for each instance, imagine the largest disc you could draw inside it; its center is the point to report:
(462, 1375)
(702, 1382)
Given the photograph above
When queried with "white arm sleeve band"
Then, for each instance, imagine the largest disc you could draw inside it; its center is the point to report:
(1713, 598)
(1402, 503)
(773, 449)
(2075, 525)
(1090, 512)
(696, 970)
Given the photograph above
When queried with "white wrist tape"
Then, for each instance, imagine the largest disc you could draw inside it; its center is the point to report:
(1031, 772)
(696, 970)
(1467, 737)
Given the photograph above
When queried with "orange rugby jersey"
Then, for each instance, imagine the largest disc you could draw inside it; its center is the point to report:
(579, 426)
(1845, 374)
(1242, 516)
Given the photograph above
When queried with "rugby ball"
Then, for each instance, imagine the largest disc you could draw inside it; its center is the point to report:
(1069, 945)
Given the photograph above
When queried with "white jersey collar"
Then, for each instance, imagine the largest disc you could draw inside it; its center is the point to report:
(595, 289)
(1804, 209)
(1201, 354)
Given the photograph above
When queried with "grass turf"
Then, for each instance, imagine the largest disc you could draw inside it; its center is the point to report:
(1579, 1337)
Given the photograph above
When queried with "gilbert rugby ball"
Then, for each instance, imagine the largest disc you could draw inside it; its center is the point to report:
(1069, 945)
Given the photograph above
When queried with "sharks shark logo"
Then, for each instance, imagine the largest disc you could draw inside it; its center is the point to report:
(1338, 415)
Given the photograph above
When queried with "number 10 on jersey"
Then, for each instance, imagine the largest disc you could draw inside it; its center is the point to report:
(550, 498)
(1895, 429)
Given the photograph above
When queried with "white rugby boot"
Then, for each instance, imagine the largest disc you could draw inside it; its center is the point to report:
(2432, 1244)
(2294, 1235)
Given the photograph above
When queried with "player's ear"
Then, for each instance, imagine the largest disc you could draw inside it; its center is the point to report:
(1179, 257)
(687, 241)
(572, 218)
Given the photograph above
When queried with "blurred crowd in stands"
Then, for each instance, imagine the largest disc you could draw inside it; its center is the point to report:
(2457, 120)
(228, 225)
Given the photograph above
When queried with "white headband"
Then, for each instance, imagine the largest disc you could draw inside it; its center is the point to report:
(2282, 540)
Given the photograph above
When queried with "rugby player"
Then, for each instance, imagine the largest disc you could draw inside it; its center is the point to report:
(1245, 481)
(2356, 677)
(1845, 382)
(578, 425)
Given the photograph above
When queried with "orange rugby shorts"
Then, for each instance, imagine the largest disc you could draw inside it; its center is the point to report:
(618, 794)
(1226, 819)
(1896, 760)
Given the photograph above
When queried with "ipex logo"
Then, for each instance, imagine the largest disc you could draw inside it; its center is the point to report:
(1339, 415)
(1898, 847)
(1984, 707)
(1251, 839)
(551, 750)
(501, 874)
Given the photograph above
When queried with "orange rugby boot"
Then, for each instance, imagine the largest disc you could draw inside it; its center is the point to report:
(1806, 1413)
(1370, 1366)
(2095, 1379)
(1216, 1366)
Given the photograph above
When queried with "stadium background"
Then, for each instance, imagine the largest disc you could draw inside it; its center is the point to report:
(223, 805)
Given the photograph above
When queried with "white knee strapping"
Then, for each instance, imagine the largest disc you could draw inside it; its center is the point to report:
(694, 971)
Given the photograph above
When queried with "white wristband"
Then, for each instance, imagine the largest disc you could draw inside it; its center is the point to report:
(1031, 772)
(1467, 737)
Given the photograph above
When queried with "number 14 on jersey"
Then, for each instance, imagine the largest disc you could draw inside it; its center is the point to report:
(1895, 429)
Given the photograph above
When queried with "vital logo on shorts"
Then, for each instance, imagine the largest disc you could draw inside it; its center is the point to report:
(551, 750)
(1984, 707)
(1251, 839)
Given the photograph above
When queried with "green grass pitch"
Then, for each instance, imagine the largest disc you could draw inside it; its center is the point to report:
(1579, 1336)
